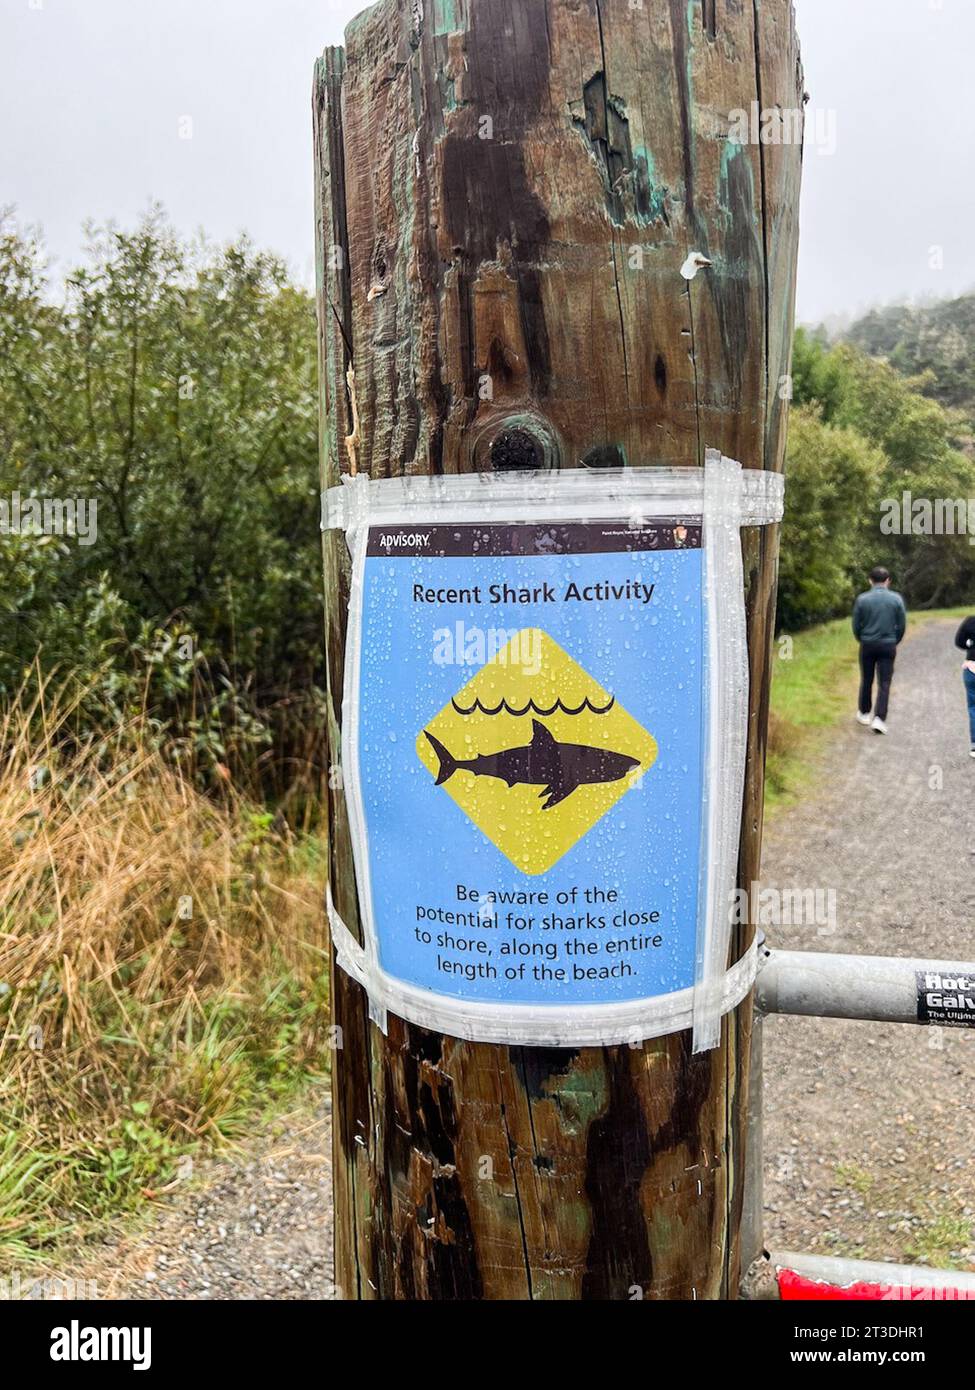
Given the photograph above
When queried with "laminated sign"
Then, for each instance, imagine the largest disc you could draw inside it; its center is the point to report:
(544, 726)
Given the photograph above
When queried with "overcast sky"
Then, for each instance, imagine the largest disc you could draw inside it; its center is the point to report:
(94, 96)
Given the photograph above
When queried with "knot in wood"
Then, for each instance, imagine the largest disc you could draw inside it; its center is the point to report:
(516, 449)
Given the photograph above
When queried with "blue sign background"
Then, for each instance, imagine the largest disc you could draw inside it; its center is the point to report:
(421, 844)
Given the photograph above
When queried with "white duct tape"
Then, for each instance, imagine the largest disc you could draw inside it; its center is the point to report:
(581, 493)
(592, 1025)
(725, 736)
(719, 499)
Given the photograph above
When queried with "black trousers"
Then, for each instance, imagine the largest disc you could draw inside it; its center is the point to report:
(876, 659)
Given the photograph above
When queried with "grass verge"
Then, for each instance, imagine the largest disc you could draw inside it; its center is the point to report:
(162, 968)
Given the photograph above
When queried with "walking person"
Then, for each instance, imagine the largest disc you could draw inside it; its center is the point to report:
(879, 624)
(965, 638)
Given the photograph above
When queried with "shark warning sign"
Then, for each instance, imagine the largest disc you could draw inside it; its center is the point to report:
(526, 765)
(535, 751)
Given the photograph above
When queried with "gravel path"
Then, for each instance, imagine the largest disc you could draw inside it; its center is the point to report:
(869, 1129)
(259, 1227)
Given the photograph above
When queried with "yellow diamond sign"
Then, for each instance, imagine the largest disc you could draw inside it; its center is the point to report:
(534, 751)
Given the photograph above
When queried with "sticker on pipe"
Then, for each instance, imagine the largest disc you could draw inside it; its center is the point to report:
(946, 998)
(529, 758)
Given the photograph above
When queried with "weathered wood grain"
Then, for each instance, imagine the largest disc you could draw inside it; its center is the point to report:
(506, 190)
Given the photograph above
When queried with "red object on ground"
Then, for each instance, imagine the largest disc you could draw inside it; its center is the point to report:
(795, 1287)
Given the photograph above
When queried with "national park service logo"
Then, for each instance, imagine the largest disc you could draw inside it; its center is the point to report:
(535, 751)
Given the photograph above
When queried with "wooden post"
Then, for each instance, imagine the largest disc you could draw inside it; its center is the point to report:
(506, 193)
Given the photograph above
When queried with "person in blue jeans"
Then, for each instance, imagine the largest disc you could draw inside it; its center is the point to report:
(965, 638)
(879, 624)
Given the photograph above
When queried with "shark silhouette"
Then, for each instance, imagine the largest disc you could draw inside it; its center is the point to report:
(558, 768)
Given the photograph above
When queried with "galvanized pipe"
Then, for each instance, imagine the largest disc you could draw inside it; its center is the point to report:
(881, 988)
(884, 989)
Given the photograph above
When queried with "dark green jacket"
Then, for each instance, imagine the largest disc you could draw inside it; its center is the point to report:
(879, 615)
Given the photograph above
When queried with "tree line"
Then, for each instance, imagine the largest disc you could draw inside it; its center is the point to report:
(173, 383)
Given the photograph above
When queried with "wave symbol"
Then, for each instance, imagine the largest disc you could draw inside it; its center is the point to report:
(532, 708)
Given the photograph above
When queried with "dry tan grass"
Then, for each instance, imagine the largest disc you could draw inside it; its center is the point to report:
(161, 966)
